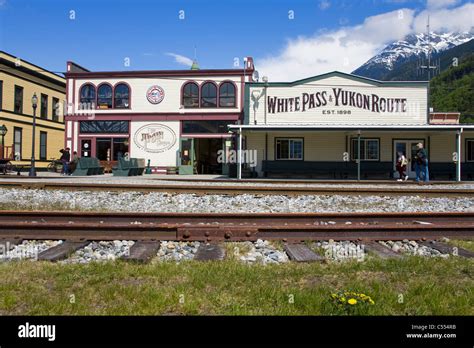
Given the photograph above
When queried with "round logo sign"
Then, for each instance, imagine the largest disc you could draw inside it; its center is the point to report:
(155, 138)
(155, 94)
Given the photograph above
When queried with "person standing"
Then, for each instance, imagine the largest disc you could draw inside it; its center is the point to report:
(421, 164)
(402, 166)
(65, 158)
(75, 160)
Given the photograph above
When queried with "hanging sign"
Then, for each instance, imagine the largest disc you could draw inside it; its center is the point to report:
(155, 94)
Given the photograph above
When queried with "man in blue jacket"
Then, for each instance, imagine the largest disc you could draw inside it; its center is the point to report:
(421, 164)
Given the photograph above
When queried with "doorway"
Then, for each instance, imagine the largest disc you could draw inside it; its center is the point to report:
(200, 156)
(207, 154)
(111, 149)
(409, 150)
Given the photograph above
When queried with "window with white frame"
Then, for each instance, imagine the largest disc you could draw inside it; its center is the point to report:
(369, 149)
(289, 148)
(470, 150)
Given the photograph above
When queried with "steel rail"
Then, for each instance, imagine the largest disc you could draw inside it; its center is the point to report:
(234, 227)
(240, 189)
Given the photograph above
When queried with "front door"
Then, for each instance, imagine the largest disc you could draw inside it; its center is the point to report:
(187, 157)
(409, 150)
(103, 149)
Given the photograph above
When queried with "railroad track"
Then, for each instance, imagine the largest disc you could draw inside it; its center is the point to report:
(78, 229)
(234, 226)
(195, 188)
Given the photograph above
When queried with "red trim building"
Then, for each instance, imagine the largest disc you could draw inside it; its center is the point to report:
(175, 119)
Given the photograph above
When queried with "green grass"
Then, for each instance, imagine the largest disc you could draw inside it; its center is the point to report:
(423, 286)
(465, 244)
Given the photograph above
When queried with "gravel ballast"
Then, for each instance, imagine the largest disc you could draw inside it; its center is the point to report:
(130, 201)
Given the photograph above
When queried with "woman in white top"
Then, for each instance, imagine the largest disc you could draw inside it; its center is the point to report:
(402, 166)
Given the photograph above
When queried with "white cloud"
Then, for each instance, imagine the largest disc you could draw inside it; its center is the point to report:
(384, 27)
(344, 50)
(456, 19)
(432, 4)
(324, 4)
(181, 59)
(347, 48)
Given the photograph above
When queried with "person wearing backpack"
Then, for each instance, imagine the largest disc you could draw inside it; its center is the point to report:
(402, 166)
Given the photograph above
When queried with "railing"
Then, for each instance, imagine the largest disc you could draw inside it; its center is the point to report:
(6, 152)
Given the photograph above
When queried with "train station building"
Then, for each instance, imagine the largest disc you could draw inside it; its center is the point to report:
(320, 126)
(176, 119)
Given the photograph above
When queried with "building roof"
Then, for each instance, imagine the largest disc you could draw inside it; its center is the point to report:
(343, 75)
(76, 71)
(30, 68)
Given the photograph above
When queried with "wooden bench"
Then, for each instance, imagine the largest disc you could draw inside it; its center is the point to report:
(20, 167)
(88, 166)
(130, 167)
(141, 164)
(123, 168)
(137, 166)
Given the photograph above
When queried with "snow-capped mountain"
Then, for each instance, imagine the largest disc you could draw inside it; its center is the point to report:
(410, 48)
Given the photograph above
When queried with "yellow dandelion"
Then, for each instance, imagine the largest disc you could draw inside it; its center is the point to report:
(352, 301)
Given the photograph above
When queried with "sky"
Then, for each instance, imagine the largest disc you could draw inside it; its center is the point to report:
(288, 39)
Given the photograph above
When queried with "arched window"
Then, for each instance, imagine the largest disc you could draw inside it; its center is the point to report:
(87, 97)
(104, 96)
(191, 95)
(208, 95)
(227, 94)
(121, 96)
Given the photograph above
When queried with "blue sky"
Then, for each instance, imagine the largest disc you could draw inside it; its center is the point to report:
(105, 32)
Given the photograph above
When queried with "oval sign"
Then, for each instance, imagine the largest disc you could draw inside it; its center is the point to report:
(155, 94)
(155, 138)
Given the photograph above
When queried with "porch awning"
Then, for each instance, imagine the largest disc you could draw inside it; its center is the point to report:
(342, 127)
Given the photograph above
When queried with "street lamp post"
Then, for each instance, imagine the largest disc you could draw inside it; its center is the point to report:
(3, 132)
(34, 103)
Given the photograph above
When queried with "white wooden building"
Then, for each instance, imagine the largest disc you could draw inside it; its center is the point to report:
(317, 127)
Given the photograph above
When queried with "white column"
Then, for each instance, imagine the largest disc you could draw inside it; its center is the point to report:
(358, 155)
(239, 156)
(458, 150)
